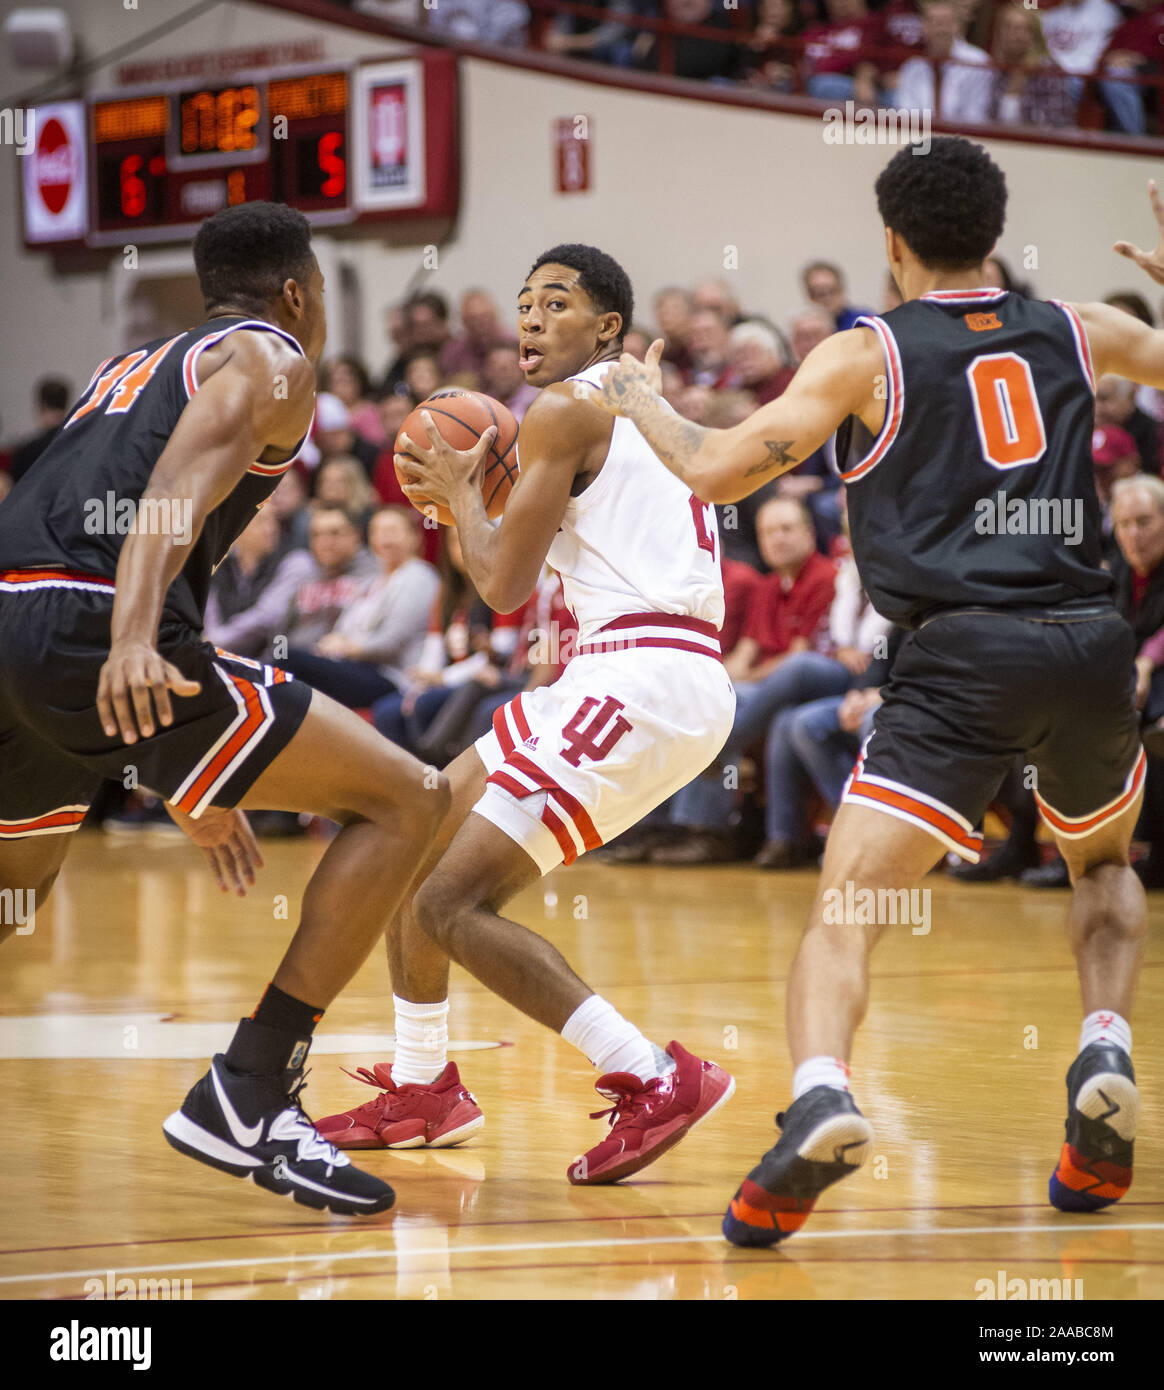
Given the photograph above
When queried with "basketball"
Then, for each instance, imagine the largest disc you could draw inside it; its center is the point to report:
(462, 417)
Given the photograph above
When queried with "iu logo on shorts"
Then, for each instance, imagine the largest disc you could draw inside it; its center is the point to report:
(582, 740)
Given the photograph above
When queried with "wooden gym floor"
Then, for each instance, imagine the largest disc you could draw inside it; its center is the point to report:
(137, 969)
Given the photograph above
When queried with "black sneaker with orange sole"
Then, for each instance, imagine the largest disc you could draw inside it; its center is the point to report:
(1103, 1107)
(823, 1138)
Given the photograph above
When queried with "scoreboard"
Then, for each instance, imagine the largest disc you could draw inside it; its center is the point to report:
(344, 144)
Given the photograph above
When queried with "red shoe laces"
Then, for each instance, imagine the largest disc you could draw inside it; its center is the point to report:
(629, 1105)
(378, 1103)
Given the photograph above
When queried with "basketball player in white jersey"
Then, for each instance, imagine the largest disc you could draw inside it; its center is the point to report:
(642, 708)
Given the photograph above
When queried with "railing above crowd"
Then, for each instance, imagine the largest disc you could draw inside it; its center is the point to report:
(1085, 65)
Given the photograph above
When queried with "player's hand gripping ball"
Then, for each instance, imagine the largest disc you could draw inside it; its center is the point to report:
(461, 418)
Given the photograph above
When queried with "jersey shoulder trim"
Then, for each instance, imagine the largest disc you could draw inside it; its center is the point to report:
(986, 295)
(190, 381)
(193, 353)
(1079, 333)
(894, 399)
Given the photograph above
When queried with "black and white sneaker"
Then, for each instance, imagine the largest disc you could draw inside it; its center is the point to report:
(255, 1126)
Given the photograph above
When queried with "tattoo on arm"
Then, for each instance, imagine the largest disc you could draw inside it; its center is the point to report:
(674, 439)
(778, 454)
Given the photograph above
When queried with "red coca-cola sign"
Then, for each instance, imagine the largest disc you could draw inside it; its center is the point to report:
(56, 165)
(54, 175)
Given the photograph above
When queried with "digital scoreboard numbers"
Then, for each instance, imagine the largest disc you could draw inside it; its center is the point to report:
(343, 145)
(163, 162)
(309, 156)
(129, 176)
(214, 122)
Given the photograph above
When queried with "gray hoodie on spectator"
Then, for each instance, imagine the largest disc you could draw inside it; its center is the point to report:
(389, 619)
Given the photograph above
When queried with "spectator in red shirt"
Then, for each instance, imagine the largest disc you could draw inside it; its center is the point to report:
(780, 660)
(740, 582)
(1133, 51)
(394, 410)
(841, 56)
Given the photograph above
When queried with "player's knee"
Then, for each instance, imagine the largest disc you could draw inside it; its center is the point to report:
(1109, 901)
(437, 907)
(437, 799)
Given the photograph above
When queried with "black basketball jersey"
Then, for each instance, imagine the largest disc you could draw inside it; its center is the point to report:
(979, 490)
(73, 509)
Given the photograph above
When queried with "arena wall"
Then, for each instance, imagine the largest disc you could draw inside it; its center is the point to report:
(681, 190)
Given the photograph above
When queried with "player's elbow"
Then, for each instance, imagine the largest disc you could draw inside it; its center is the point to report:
(505, 593)
(718, 485)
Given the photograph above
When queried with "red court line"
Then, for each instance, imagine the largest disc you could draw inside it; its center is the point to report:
(332, 1229)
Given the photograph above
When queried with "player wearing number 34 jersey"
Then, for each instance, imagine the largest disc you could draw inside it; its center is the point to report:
(642, 708)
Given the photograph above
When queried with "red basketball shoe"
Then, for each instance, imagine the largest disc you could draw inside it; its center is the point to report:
(647, 1120)
(406, 1117)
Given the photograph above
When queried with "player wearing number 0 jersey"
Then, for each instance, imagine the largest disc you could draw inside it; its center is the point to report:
(974, 523)
(642, 708)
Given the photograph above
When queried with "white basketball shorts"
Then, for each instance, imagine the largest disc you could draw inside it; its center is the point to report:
(641, 710)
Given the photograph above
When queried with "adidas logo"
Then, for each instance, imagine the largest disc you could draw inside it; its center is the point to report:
(531, 742)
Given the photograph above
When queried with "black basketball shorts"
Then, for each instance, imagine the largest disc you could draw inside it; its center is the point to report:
(972, 690)
(54, 639)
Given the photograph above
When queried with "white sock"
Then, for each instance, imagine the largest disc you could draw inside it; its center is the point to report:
(598, 1030)
(422, 1042)
(820, 1071)
(1104, 1026)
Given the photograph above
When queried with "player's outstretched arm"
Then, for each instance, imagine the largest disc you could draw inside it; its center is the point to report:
(255, 394)
(559, 434)
(1123, 344)
(837, 379)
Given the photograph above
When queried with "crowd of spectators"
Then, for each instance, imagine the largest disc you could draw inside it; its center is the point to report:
(341, 582)
(1059, 63)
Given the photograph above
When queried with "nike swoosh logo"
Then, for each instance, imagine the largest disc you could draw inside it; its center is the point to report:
(244, 1135)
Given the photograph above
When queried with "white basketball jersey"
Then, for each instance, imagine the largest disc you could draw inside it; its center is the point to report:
(637, 540)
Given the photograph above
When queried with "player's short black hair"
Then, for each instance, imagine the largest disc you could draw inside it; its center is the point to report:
(949, 204)
(244, 254)
(606, 284)
(53, 393)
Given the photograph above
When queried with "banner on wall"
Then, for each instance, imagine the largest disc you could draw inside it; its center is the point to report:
(389, 131)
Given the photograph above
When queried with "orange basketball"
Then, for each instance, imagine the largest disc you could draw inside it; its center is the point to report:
(462, 417)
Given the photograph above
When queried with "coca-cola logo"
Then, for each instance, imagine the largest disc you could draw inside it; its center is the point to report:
(56, 166)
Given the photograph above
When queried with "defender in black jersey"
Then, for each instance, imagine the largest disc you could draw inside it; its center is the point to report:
(107, 546)
(974, 523)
